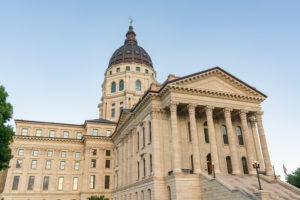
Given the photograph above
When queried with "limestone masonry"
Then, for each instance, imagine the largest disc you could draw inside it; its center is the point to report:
(152, 141)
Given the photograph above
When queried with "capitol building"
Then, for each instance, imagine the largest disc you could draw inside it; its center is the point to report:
(189, 138)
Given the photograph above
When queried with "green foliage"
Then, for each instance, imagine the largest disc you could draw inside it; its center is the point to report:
(294, 178)
(97, 198)
(6, 131)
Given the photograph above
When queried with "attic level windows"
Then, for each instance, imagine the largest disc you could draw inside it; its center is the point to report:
(52, 133)
(95, 132)
(118, 69)
(138, 69)
(66, 134)
(113, 87)
(38, 132)
(79, 135)
(24, 131)
(127, 68)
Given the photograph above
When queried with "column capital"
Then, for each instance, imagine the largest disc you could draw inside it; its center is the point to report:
(258, 115)
(243, 114)
(209, 109)
(173, 106)
(227, 110)
(252, 119)
(191, 107)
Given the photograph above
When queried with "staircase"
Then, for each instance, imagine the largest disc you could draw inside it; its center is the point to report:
(248, 184)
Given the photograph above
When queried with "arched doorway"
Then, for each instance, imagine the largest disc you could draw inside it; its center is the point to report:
(229, 166)
(245, 166)
(209, 164)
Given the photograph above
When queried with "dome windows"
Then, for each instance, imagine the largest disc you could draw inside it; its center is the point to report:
(128, 51)
(138, 85)
(137, 52)
(119, 53)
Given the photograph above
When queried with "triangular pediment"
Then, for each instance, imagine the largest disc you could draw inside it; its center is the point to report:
(217, 80)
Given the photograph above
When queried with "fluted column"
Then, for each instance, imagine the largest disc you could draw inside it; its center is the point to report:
(263, 143)
(175, 139)
(212, 136)
(256, 143)
(249, 146)
(195, 145)
(232, 142)
(156, 156)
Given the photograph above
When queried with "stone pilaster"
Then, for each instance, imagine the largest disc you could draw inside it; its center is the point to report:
(263, 143)
(134, 152)
(249, 146)
(193, 129)
(177, 165)
(232, 142)
(212, 136)
(156, 146)
(256, 143)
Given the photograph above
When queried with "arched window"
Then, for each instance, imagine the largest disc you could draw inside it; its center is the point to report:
(169, 193)
(245, 166)
(229, 166)
(113, 87)
(206, 136)
(142, 195)
(149, 194)
(224, 132)
(121, 85)
(240, 135)
(209, 164)
(138, 85)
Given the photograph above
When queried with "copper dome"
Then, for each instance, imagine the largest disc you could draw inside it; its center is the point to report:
(130, 52)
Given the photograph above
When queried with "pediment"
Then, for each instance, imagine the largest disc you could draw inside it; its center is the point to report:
(217, 80)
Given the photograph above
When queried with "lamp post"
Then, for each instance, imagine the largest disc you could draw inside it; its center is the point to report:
(256, 166)
(274, 172)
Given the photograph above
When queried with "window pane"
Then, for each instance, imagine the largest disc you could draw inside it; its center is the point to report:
(75, 183)
(206, 135)
(63, 154)
(106, 182)
(76, 167)
(107, 164)
(62, 165)
(146, 71)
(93, 163)
(66, 134)
(79, 135)
(77, 155)
(60, 183)
(224, 132)
(52, 133)
(127, 68)
(94, 152)
(240, 136)
(46, 183)
(107, 152)
(113, 112)
(138, 85)
(24, 131)
(92, 182)
(118, 69)
(108, 133)
(21, 152)
(38, 132)
(33, 164)
(121, 85)
(113, 87)
(19, 163)
(138, 69)
(95, 132)
(35, 153)
(49, 153)
(30, 183)
(48, 164)
(16, 182)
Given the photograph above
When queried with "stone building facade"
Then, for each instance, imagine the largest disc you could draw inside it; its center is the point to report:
(152, 141)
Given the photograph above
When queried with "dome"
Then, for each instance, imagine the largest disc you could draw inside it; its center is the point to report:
(130, 52)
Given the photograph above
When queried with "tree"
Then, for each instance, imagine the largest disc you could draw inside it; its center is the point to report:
(294, 178)
(6, 131)
(97, 198)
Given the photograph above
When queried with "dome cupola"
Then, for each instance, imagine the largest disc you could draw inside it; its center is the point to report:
(130, 52)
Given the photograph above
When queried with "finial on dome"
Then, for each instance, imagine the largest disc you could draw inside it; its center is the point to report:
(130, 20)
(130, 35)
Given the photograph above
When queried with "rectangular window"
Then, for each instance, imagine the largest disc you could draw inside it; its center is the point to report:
(76, 166)
(121, 103)
(138, 169)
(63, 154)
(21, 152)
(127, 68)
(108, 133)
(60, 183)
(38, 132)
(46, 183)
(189, 131)
(138, 140)
(138, 69)
(113, 113)
(92, 182)
(24, 131)
(144, 137)
(48, 164)
(93, 163)
(75, 183)
(144, 163)
(121, 108)
(15, 183)
(113, 104)
(106, 182)
(77, 155)
(49, 153)
(150, 163)
(19, 163)
(110, 72)
(66, 134)
(79, 135)
(107, 164)
(150, 132)
(94, 152)
(95, 132)
(52, 133)
(30, 183)
(146, 71)
(35, 153)
(118, 69)
(33, 164)
(62, 165)
(107, 152)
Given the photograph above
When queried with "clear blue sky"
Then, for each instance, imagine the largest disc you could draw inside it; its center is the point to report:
(53, 54)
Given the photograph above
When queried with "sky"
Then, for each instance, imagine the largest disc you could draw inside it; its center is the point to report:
(53, 55)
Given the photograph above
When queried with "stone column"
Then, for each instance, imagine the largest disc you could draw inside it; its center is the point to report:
(175, 139)
(256, 143)
(249, 146)
(125, 180)
(193, 129)
(156, 157)
(263, 143)
(134, 159)
(232, 142)
(212, 137)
